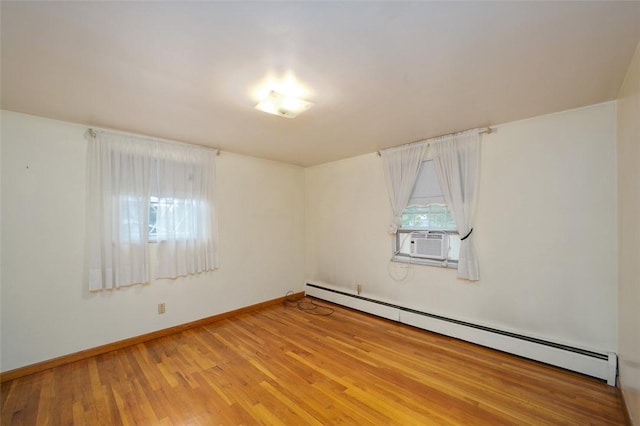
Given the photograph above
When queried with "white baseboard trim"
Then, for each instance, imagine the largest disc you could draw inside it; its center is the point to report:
(592, 363)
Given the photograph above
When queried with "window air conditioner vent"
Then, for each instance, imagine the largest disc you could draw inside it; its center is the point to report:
(429, 245)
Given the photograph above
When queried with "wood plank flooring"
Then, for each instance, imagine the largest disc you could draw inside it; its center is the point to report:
(283, 366)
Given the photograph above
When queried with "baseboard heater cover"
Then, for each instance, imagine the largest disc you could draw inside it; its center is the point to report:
(596, 364)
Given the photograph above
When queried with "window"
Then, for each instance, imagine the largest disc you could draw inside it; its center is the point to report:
(146, 189)
(427, 211)
(172, 216)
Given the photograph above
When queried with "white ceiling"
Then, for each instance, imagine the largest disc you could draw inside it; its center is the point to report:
(379, 73)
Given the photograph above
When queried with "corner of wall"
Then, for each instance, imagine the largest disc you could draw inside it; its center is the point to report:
(628, 210)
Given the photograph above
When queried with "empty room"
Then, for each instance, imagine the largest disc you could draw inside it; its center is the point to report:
(320, 212)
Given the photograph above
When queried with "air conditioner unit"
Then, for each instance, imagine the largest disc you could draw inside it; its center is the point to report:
(429, 245)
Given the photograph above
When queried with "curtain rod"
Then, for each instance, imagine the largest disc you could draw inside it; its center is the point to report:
(93, 134)
(486, 130)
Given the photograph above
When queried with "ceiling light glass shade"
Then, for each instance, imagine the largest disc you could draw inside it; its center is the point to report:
(283, 105)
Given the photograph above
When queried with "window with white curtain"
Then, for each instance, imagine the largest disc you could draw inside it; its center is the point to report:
(418, 214)
(143, 190)
(427, 211)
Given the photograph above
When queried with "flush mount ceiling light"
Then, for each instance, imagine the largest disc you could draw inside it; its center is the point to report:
(283, 105)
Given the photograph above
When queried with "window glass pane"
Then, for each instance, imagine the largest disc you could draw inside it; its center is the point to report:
(153, 215)
(175, 218)
(432, 216)
(178, 218)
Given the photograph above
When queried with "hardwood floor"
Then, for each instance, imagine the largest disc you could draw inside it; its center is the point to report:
(284, 366)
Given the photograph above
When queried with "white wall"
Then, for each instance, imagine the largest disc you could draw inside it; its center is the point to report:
(545, 232)
(46, 309)
(629, 237)
(546, 194)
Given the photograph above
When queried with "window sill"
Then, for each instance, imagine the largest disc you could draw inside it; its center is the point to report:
(400, 258)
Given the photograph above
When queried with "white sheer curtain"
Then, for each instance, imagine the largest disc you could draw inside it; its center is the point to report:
(124, 173)
(401, 166)
(119, 176)
(185, 211)
(457, 163)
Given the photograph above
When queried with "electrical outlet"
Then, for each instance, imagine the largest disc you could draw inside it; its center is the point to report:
(162, 308)
(358, 288)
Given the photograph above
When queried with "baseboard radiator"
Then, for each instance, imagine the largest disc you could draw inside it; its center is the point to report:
(595, 364)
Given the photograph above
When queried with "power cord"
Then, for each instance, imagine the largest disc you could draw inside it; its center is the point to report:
(307, 305)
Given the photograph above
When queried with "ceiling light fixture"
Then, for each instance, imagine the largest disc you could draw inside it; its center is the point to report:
(285, 106)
